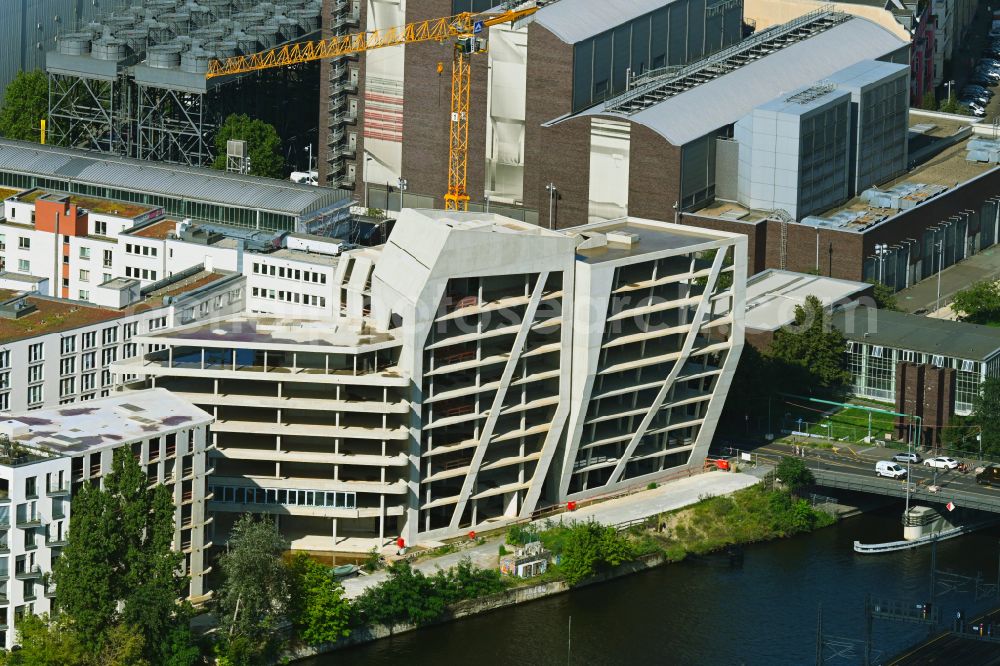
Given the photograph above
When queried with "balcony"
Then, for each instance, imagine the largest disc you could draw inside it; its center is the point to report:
(24, 521)
(55, 541)
(27, 574)
(56, 489)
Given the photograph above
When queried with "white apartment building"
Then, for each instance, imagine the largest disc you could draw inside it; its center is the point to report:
(296, 280)
(475, 369)
(57, 351)
(45, 456)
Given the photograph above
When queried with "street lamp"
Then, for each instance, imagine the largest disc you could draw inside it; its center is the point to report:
(881, 250)
(940, 246)
(368, 158)
(551, 189)
(487, 204)
(402, 192)
(949, 84)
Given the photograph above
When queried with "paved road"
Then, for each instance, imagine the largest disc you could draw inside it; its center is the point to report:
(859, 461)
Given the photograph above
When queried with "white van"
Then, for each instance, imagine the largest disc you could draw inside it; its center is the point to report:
(889, 469)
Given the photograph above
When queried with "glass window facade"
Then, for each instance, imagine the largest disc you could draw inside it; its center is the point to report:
(677, 34)
(199, 211)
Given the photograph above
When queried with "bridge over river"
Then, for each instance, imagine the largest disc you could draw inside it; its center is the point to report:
(853, 468)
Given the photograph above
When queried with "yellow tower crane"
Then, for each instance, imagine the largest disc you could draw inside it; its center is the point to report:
(465, 30)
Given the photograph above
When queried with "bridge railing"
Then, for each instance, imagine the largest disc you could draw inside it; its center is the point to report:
(856, 482)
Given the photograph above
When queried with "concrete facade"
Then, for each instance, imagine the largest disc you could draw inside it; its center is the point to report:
(466, 379)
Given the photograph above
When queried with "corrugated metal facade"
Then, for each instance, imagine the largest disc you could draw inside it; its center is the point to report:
(28, 29)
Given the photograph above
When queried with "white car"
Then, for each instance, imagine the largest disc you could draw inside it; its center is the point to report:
(942, 462)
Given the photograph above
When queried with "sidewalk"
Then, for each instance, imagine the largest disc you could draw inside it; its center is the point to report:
(923, 295)
(668, 497)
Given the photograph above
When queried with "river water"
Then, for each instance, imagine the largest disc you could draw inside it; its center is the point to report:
(707, 612)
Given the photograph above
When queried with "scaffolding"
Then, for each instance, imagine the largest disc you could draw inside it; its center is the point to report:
(133, 84)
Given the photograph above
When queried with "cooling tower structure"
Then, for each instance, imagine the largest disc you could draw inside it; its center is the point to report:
(133, 83)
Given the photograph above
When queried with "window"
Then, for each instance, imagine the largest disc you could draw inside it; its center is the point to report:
(23, 266)
(128, 330)
(34, 394)
(84, 275)
(90, 340)
(89, 361)
(66, 386)
(68, 344)
(87, 382)
(105, 277)
(937, 361)
(159, 322)
(5, 358)
(67, 366)
(84, 252)
(100, 228)
(24, 242)
(108, 256)
(909, 355)
(3, 239)
(4, 401)
(129, 350)
(968, 366)
(35, 373)
(109, 355)
(84, 295)
(876, 352)
(36, 352)
(105, 380)
(109, 335)
(4, 380)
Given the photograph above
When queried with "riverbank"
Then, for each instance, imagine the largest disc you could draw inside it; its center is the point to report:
(750, 515)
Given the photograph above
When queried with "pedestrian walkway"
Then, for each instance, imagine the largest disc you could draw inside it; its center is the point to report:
(923, 295)
(667, 497)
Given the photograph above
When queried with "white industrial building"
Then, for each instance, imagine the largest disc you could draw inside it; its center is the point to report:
(56, 351)
(474, 369)
(46, 456)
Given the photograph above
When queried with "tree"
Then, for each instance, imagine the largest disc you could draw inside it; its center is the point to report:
(794, 474)
(929, 102)
(810, 353)
(979, 304)
(986, 415)
(320, 613)
(254, 590)
(885, 297)
(591, 547)
(406, 595)
(118, 579)
(263, 145)
(25, 104)
(86, 575)
(45, 641)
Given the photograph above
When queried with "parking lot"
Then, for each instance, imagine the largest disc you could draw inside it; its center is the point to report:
(967, 58)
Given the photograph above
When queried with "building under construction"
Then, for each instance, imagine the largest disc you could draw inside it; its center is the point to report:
(133, 83)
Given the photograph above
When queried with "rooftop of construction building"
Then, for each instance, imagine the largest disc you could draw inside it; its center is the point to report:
(927, 335)
(304, 256)
(938, 174)
(74, 429)
(773, 295)
(576, 21)
(175, 181)
(715, 92)
(277, 334)
(55, 315)
(159, 229)
(620, 239)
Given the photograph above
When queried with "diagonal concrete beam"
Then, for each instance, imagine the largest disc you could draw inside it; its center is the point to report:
(491, 420)
(696, 324)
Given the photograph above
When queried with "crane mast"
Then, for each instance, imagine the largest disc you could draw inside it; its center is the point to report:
(463, 29)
